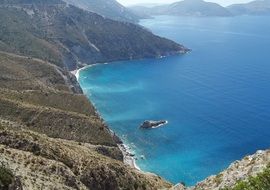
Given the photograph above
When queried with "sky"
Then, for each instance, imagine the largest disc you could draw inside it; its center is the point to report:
(222, 2)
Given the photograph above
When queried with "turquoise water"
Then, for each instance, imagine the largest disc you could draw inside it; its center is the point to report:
(216, 98)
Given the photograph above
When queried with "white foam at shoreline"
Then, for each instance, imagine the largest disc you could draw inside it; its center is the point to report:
(76, 72)
(128, 159)
(160, 125)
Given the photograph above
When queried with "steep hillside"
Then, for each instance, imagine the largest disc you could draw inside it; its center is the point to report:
(258, 7)
(68, 36)
(184, 8)
(51, 136)
(33, 91)
(41, 162)
(107, 8)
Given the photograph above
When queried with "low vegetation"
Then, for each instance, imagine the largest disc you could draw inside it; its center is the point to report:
(6, 177)
(41, 97)
(259, 182)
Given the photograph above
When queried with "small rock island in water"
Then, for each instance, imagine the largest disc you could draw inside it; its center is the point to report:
(148, 124)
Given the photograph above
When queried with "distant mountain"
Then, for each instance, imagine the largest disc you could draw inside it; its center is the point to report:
(69, 36)
(184, 8)
(107, 8)
(142, 11)
(258, 7)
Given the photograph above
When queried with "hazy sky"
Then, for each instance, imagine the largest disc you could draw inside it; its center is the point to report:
(222, 2)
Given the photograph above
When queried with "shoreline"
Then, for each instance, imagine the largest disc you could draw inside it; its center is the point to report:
(128, 156)
(76, 72)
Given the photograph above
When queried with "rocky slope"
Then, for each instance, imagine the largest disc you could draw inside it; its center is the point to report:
(51, 136)
(71, 37)
(42, 162)
(238, 171)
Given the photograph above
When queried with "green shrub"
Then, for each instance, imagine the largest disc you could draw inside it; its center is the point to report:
(259, 182)
(6, 177)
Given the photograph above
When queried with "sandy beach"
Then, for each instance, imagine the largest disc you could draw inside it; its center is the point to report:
(74, 72)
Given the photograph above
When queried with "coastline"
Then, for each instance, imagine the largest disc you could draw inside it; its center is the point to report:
(77, 71)
(128, 156)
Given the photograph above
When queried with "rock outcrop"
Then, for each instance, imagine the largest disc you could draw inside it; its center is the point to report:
(153, 124)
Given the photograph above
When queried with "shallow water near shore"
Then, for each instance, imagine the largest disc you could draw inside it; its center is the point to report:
(216, 98)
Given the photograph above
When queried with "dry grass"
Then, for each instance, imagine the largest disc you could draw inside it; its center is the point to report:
(37, 94)
(43, 158)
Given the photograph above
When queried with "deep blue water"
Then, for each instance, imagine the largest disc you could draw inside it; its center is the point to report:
(216, 98)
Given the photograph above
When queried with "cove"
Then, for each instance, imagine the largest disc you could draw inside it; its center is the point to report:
(216, 98)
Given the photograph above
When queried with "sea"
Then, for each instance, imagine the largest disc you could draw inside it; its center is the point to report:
(216, 98)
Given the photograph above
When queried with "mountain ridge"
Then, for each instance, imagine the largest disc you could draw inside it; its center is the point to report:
(197, 8)
(200, 8)
(107, 8)
(257, 7)
(69, 36)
